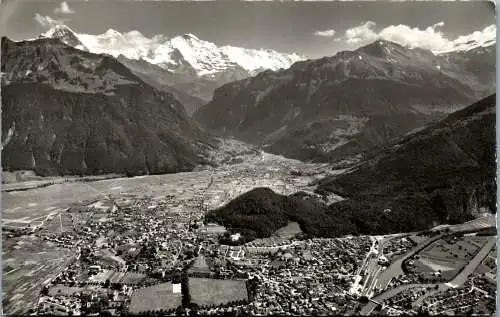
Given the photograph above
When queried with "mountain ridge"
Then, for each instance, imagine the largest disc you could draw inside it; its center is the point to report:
(161, 79)
(359, 92)
(89, 114)
(450, 165)
(189, 64)
(205, 57)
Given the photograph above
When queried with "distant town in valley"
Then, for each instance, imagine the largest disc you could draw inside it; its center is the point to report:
(248, 159)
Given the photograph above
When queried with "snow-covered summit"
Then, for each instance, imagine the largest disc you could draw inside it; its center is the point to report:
(204, 57)
(66, 35)
(255, 60)
(469, 45)
(465, 43)
(112, 33)
(190, 36)
(459, 45)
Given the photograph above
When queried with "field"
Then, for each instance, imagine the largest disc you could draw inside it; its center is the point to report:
(132, 278)
(26, 179)
(37, 204)
(59, 223)
(214, 229)
(449, 256)
(155, 298)
(200, 265)
(214, 187)
(206, 291)
(28, 262)
(280, 237)
(117, 277)
(62, 290)
(289, 231)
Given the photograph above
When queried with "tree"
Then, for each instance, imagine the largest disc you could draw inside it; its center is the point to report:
(186, 296)
(179, 311)
(45, 291)
(364, 299)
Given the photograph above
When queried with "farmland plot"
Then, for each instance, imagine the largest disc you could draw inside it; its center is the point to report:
(155, 298)
(205, 291)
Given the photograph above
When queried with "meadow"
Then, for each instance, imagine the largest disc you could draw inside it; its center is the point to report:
(205, 291)
(155, 298)
(29, 262)
(214, 187)
(449, 256)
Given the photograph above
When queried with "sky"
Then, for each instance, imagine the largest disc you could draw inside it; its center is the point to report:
(312, 29)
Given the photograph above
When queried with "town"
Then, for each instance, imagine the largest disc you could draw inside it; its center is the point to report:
(141, 245)
(132, 256)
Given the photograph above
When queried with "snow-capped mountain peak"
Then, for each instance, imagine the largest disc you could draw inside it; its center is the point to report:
(66, 35)
(175, 54)
(112, 33)
(190, 36)
(465, 43)
(58, 30)
(256, 60)
(471, 44)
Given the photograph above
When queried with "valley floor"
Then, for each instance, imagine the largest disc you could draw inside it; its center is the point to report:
(38, 205)
(117, 244)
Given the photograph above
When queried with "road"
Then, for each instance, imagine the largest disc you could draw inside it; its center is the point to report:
(455, 282)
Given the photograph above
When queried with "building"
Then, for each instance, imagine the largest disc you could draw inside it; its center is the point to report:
(235, 237)
(382, 260)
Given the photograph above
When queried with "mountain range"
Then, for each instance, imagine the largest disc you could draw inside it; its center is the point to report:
(321, 109)
(444, 173)
(69, 111)
(185, 62)
(345, 104)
